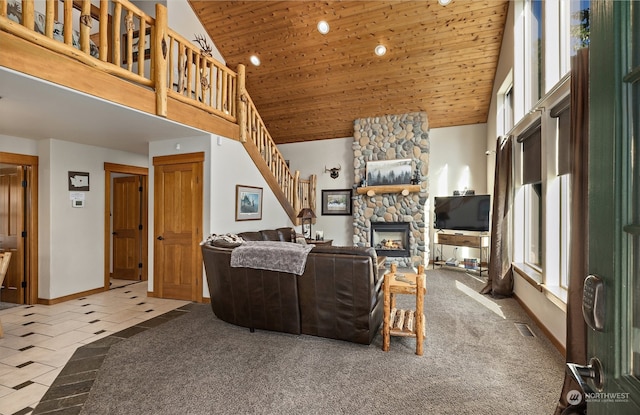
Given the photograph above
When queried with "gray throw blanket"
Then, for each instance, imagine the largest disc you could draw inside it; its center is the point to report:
(271, 255)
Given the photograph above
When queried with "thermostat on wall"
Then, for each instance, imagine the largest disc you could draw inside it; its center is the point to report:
(77, 203)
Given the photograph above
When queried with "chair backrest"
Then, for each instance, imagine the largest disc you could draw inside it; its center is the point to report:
(4, 265)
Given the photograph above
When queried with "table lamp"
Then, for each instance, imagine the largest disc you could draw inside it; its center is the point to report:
(306, 214)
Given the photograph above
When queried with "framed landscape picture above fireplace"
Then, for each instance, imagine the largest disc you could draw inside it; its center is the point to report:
(336, 202)
(388, 172)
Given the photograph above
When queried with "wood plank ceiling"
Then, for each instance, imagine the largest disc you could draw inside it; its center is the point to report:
(309, 86)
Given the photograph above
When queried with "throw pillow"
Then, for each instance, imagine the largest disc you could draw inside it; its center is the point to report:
(228, 240)
(300, 239)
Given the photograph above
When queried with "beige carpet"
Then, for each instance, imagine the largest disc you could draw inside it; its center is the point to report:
(476, 361)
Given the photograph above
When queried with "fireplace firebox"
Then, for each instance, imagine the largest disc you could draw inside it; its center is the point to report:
(391, 238)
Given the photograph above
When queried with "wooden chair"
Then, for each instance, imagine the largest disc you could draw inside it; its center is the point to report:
(5, 257)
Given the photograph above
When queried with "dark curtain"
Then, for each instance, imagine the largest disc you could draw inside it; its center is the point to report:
(576, 328)
(500, 282)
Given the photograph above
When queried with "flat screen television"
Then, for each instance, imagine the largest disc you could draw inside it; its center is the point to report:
(462, 213)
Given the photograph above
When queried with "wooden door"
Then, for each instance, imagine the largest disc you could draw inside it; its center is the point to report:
(127, 228)
(12, 226)
(614, 208)
(178, 226)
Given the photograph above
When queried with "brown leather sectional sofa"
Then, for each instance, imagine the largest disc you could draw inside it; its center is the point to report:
(339, 296)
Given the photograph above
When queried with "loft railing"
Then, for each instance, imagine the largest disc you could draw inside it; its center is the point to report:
(120, 39)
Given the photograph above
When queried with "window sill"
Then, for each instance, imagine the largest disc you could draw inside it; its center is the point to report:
(556, 294)
(529, 274)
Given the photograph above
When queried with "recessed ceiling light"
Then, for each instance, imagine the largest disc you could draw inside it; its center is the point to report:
(444, 2)
(323, 27)
(254, 60)
(380, 50)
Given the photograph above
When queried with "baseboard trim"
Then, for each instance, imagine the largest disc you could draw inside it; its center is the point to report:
(53, 301)
(545, 331)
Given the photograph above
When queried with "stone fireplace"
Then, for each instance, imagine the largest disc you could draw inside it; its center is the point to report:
(390, 238)
(390, 137)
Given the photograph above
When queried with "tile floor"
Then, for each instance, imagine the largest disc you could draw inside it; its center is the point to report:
(39, 340)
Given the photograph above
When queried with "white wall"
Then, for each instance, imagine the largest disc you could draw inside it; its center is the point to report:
(71, 240)
(312, 158)
(231, 166)
(457, 161)
(18, 145)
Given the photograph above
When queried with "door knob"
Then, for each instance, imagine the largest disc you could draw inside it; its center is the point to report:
(591, 371)
(160, 238)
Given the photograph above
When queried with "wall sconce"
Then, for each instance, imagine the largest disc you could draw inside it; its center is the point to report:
(306, 214)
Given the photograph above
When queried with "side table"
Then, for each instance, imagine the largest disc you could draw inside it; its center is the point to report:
(398, 322)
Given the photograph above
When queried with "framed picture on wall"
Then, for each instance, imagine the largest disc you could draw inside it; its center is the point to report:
(389, 172)
(248, 202)
(336, 202)
(78, 181)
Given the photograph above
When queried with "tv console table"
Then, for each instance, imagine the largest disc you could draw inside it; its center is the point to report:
(459, 239)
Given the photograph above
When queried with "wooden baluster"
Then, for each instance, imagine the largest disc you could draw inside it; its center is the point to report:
(28, 14)
(189, 70)
(117, 16)
(104, 30)
(197, 86)
(85, 26)
(218, 88)
(142, 46)
(49, 14)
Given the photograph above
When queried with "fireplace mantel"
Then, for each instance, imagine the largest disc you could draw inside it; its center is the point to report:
(405, 189)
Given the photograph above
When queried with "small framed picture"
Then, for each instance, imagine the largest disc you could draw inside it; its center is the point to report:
(78, 181)
(336, 202)
(248, 203)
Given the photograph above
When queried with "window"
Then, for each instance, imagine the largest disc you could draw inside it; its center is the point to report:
(565, 228)
(579, 24)
(535, 49)
(507, 110)
(533, 204)
(533, 225)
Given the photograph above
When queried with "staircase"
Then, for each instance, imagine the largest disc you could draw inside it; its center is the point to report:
(292, 192)
(177, 72)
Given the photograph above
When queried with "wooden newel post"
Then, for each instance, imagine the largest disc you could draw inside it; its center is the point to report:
(160, 47)
(242, 103)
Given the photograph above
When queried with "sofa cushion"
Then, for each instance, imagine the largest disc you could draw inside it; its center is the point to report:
(251, 236)
(287, 234)
(349, 250)
(270, 235)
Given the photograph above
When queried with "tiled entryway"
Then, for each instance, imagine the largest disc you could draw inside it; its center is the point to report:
(39, 340)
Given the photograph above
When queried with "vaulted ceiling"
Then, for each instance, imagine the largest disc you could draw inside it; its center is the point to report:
(310, 86)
